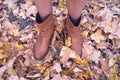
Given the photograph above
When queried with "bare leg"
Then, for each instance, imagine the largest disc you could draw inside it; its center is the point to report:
(44, 7)
(75, 8)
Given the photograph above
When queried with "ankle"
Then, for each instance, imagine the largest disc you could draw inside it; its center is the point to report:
(75, 21)
(40, 19)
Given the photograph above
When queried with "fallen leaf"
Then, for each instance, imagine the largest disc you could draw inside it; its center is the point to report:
(104, 66)
(87, 50)
(2, 70)
(109, 23)
(85, 75)
(10, 63)
(79, 61)
(113, 74)
(47, 72)
(58, 77)
(41, 68)
(64, 72)
(19, 46)
(57, 67)
(11, 71)
(13, 78)
(95, 56)
(68, 42)
(2, 55)
(66, 53)
(84, 33)
(62, 5)
(97, 36)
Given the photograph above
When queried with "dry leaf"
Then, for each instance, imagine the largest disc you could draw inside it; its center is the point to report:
(11, 5)
(104, 65)
(11, 71)
(13, 78)
(1, 55)
(47, 72)
(81, 62)
(84, 33)
(66, 53)
(10, 63)
(68, 42)
(41, 68)
(62, 5)
(32, 76)
(87, 50)
(97, 36)
(19, 46)
(57, 67)
(85, 75)
(77, 70)
(109, 23)
(58, 77)
(96, 9)
(26, 37)
(2, 70)
(97, 17)
(95, 56)
(113, 75)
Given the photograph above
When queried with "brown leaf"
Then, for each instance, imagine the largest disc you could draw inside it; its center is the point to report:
(66, 53)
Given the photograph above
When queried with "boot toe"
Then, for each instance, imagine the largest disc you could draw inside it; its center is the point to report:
(39, 55)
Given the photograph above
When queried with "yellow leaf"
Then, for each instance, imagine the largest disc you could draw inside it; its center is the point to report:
(109, 23)
(68, 42)
(113, 74)
(19, 46)
(80, 61)
(11, 71)
(3, 61)
(62, 5)
(64, 72)
(2, 58)
(97, 36)
(16, 32)
(47, 72)
(96, 9)
(41, 68)
(1, 51)
(2, 55)
(84, 33)
(85, 74)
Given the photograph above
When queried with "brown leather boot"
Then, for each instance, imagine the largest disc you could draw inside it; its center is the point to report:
(74, 32)
(42, 43)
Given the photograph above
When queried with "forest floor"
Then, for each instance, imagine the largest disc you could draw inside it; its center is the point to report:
(100, 32)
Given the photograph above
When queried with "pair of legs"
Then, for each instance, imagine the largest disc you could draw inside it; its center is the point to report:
(44, 7)
(74, 7)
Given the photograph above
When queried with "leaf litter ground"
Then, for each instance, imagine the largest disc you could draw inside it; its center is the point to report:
(100, 31)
